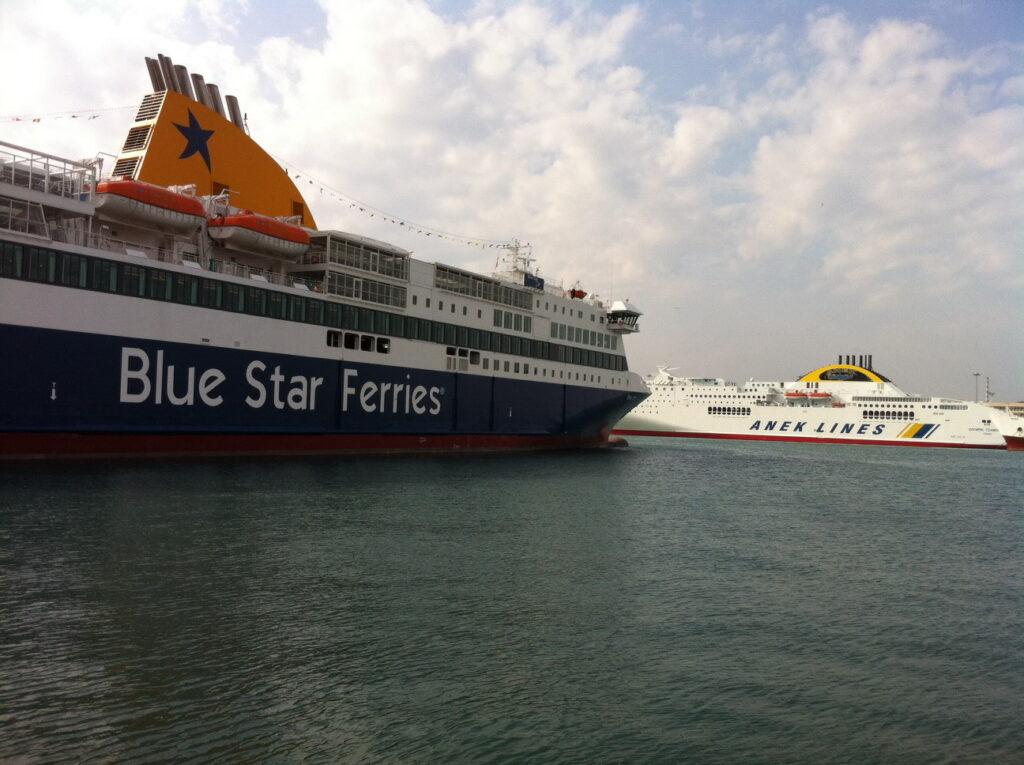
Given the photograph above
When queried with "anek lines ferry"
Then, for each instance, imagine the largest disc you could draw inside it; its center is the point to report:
(847, 402)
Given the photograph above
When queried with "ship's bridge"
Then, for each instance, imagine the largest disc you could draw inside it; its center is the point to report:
(623, 317)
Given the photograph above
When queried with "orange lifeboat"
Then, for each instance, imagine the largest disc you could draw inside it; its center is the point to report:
(820, 396)
(794, 395)
(248, 231)
(148, 205)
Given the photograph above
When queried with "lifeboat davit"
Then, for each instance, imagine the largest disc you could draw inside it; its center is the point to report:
(148, 205)
(258, 233)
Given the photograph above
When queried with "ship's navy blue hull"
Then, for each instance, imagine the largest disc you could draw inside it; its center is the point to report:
(69, 393)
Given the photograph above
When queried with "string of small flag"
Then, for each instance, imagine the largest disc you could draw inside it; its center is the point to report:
(373, 212)
(86, 114)
(296, 175)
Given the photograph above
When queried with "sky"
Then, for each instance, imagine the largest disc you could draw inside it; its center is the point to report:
(771, 183)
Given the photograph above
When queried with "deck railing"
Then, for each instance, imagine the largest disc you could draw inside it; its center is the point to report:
(46, 173)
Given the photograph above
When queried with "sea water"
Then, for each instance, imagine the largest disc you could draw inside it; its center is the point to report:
(674, 602)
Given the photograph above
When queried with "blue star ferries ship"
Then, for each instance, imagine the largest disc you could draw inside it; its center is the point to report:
(188, 305)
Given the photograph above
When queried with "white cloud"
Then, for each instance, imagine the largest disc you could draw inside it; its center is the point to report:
(697, 138)
(222, 17)
(881, 159)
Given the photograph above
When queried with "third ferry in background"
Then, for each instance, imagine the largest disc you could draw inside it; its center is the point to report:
(847, 403)
(189, 305)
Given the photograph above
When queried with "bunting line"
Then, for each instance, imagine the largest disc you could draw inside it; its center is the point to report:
(297, 175)
(373, 212)
(81, 114)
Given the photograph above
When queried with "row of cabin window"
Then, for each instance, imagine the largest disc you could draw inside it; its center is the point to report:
(741, 410)
(347, 285)
(906, 400)
(366, 258)
(897, 414)
(480, 287)
(506, 319)
(85, 272)
(572, 311)
(580, 335)
(513, 321)
(460, 359)
(352, 341)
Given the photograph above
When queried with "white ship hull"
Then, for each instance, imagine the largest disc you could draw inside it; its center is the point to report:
(855, 406)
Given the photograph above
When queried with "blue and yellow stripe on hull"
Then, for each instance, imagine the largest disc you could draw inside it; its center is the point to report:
(917, 430)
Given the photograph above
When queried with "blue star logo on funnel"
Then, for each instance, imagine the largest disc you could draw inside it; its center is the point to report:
(197, 139)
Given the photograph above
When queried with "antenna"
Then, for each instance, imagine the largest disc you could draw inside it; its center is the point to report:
(518, 257)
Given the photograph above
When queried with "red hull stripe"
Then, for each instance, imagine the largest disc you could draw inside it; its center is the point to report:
(261, 225)
(93, 445)
(153, 195)
(1014, 443)
(803, 439)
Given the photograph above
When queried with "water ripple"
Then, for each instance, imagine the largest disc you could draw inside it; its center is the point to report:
(690, 603)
